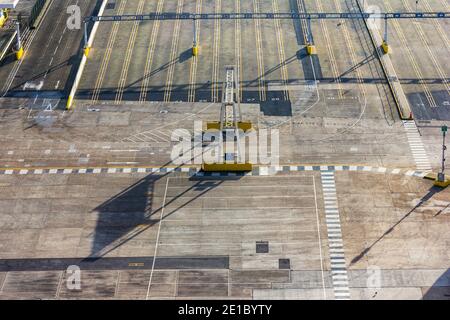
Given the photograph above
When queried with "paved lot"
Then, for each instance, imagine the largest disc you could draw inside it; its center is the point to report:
(204, 234)
(270, 55)
(322, 233)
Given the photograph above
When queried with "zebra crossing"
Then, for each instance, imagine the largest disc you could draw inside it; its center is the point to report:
(335, 243)
(417, 148)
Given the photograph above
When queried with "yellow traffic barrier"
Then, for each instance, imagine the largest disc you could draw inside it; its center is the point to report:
(442, 184)
(385, 47)
(311, 49)
(195, 51)
(227, 167)
(19, 53)
(243, 125)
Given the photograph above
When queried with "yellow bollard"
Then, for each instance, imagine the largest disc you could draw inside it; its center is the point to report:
(3, 17)
(385, 47)
(195, 51)
(69, 103)
(311, 49)
(19, 54)
(86, 51)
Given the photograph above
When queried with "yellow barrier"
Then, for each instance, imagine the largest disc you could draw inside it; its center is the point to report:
(442, 184)
(244, 125)
(227, 167)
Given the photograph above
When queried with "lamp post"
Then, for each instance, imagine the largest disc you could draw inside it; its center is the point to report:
(441, 175)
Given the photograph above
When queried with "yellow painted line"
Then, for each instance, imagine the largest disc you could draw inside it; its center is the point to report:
(194, 62)
(107, 55)
(436, 63)
(352, 51)
(437, 24)
(128, 55)
(281, 52)
(173, 60)
(238, 48)
(330, 51)
(259, 55)
(216, 56)
(150, 55)
(136, 264)
(412, 59)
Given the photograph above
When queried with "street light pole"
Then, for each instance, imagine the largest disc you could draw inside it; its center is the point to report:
(441, 175)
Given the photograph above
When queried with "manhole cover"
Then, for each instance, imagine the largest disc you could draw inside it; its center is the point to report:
(262, 246)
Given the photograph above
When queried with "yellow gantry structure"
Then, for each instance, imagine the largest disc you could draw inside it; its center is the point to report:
(230, 121)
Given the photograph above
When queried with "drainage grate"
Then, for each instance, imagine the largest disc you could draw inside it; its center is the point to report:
(284, 264)
(262, 246)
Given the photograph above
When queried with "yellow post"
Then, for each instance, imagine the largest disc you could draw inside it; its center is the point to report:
(19, 54)
(311, 49)
(86, 51)
(195, 50)
(385, 47)
(3, 17)
(69, 103)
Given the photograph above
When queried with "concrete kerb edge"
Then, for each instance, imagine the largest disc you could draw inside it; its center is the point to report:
(391, 87)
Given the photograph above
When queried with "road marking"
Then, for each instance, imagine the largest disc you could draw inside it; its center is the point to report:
(417, 148)
(128, 56)
(216, 55)
(412, 59)
(337, 256)
(423, 37)
(194, 62)
(150, 55)
(157, 238)
(330, 51)
(174, 57)
(119, 167)
(352, 52)
(259, 55)
(281, 52)
(107, 55)
(320, 240)
(238, 50)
